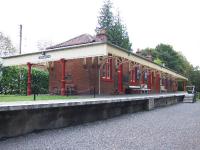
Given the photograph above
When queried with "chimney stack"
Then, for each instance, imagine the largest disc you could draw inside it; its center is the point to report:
(102, 35)
(138, 52)
(149, 56)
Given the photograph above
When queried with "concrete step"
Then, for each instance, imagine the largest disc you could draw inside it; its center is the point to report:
(188, 100)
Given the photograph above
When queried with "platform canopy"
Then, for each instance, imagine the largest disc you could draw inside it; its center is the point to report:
(83, 51)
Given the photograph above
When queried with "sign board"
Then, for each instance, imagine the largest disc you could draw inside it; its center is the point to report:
(44, 56)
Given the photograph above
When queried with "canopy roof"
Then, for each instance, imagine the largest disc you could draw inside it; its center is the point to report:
(81, 47)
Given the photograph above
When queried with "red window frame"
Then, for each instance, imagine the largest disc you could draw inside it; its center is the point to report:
(107, 70)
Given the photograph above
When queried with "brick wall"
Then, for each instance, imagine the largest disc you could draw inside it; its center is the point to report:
(82, 75)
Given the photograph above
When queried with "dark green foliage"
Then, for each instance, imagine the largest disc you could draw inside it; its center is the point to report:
(40, 81)
(106, 18)
(195, 77)
(116, 31)
(175, 61)
(14, 81)
(169, 57)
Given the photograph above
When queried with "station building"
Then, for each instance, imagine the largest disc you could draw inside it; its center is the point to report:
(88, 64)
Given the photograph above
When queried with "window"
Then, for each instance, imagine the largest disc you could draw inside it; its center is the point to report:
(107, 70)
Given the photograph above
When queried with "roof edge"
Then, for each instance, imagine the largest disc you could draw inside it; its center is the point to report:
(129, 52)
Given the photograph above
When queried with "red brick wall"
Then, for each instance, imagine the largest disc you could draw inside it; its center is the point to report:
(84, 77)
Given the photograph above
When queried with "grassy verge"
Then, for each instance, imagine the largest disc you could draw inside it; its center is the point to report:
(198, 96)
(13, 98)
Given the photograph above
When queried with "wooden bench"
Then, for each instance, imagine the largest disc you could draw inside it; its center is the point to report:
(141, 88)
(163, 89)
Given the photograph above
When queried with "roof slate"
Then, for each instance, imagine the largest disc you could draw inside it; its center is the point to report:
(82, 39)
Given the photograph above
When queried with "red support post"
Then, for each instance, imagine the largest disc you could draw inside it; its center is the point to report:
(152, 82)
(63, 77)
(149, 80)
(120, 88)
(142, 77)
(184, 86)
(29, 79)
(158, 83)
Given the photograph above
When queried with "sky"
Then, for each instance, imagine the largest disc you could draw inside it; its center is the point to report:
(149, 22)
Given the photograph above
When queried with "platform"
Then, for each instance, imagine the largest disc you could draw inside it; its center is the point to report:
(18, 118)
(23, 105)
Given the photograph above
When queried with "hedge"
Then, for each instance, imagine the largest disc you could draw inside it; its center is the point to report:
(13, 80)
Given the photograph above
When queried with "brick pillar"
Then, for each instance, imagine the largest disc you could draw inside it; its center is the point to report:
(63, 77)
(29, 79)
(120, 88)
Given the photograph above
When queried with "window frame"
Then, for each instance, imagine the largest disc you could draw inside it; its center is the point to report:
(107, 70)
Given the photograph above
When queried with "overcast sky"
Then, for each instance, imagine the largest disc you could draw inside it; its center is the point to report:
(149, 22)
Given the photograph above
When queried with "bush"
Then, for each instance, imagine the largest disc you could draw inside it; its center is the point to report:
(14, 81)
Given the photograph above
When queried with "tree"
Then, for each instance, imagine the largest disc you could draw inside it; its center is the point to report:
(164, 53)
(119, 35)
(158, 61)
(170, 58)
(116, 31)
(6, 47)
(195, 77)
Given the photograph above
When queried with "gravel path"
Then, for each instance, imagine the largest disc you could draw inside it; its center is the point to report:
(169, 128)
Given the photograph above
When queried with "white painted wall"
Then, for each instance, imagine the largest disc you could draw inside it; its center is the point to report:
(67, 53)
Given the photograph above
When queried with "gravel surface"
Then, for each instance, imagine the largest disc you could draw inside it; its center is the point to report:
(169, 128)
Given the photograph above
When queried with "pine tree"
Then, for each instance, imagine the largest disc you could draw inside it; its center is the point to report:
(119, 34)
(106, 18)
(116, 31)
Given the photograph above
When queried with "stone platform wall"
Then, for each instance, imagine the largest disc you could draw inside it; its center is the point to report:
(15, 121)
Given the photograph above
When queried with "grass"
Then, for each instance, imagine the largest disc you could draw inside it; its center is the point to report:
(198, 96)
(14, 98)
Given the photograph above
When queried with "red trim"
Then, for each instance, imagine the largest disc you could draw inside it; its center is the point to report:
(143, 77)
(29, 79)
(63, 77)
(120, 88)
(110, 68)
(149, 80)
(158, 83)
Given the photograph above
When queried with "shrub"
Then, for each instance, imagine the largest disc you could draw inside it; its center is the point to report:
(14, 81)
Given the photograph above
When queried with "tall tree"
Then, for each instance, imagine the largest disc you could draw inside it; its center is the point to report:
(106, 17)
(6, 47)
(116, 31)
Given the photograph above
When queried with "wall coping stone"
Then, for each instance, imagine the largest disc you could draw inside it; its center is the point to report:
(40, 104)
